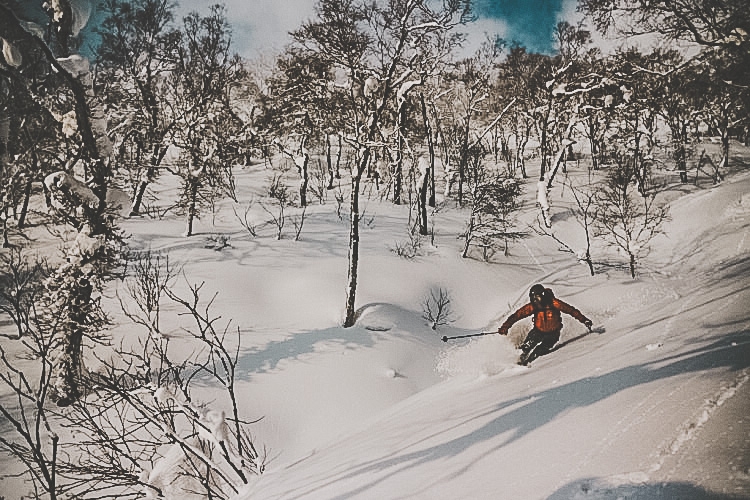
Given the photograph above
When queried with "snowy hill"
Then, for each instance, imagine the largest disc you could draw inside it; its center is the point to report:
(655, 405)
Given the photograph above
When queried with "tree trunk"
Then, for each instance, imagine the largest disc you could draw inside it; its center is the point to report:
(192, 202)
(304, 179)
(430, 150)
(135, 208)
(329, 162)
(157, 156)
(68, 366)
(25, 204)
(681, 159)
(424, 183)
(462, 163)
(564, 145)
(4, 216)
(351, 287)
(338, 159)
(725, 145)
(399, 173)
(543, 146)
(468, 238)
(632, 265)
(594, 145)
(521, 141)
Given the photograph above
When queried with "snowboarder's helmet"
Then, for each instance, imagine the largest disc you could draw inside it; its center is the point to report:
(548, 296)
(537, 290)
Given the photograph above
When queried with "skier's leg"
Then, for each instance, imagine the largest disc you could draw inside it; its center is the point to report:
(548, 343)
(530, 345)
(531, 340)
(537, 345)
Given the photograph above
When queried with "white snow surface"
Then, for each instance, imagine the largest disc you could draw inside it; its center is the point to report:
(604, 417)
(386, 410)
(652, 405)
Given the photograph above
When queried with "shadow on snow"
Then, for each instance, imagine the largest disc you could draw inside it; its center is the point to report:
(539, 409)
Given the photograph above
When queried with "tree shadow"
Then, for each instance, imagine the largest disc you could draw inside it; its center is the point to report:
(364, 334)
(537, 410)
(597, 489)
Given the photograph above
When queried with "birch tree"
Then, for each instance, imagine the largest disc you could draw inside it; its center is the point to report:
(628, 221)
(137, 57)
(207, 128)
(468, 83)
(369, 43)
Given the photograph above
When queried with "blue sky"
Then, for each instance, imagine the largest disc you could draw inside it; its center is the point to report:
(530, 22)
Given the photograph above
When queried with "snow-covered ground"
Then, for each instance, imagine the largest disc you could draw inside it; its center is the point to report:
(654, 404)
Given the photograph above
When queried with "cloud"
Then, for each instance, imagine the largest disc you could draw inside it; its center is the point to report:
(478, 30)
(258, 25)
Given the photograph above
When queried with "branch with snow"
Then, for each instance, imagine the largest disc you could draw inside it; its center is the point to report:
(543, 202)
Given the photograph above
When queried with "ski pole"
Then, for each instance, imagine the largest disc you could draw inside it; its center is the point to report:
(446, 338)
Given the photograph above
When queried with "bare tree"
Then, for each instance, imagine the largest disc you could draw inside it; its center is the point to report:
(368, 42)
(20, 287)
(494, 201)
(678, 103)
(152, 273)
(301, 159)
(140, 430)
(637, 110)
(469, 85)
(207, 127)
(137, 57)
(722, 99)
(436, 308)
(279, 193)
(245, 220)
(520, 76)
(33, 442)
(717, 23)
(627, 220)
(584, 213)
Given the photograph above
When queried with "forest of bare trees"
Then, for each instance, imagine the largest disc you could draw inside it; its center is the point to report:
(378, 93)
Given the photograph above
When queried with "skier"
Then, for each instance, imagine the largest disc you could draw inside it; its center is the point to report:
(546, 310)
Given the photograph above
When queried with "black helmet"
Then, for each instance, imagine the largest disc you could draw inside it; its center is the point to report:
(536, 290)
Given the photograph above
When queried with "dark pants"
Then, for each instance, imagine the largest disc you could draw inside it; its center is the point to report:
(537, 343)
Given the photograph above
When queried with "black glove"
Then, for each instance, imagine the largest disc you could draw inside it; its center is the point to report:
(588, 324)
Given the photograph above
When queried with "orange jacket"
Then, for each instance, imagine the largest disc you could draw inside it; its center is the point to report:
(546, 319)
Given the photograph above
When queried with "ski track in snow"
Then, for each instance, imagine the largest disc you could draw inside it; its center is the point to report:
(634, 417)
(689, 429)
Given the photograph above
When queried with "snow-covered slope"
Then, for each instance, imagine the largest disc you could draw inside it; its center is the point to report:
(654, 404)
